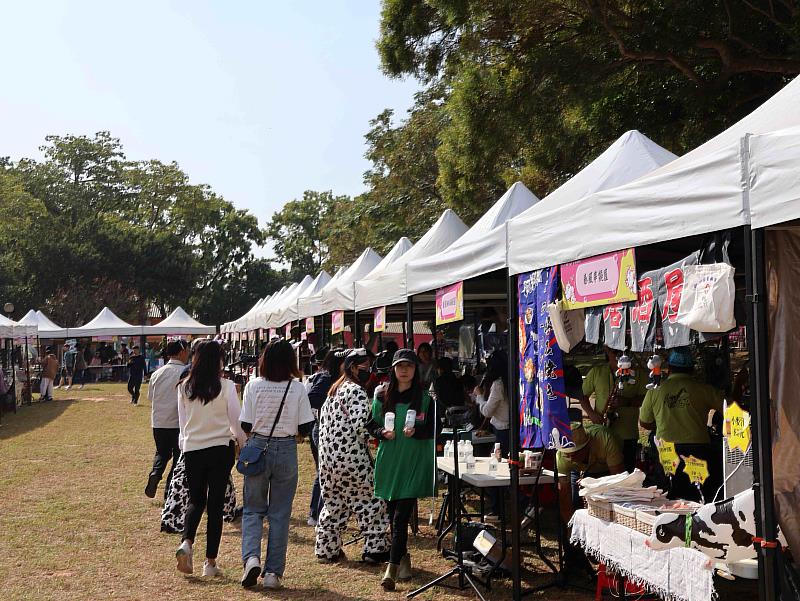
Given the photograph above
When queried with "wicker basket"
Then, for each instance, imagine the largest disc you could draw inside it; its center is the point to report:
(625, 515)
(645, 518)
(600, 509)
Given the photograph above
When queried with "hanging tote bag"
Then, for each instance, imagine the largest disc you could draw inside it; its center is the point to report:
(253, 459)
(569, 327)
(707, 298)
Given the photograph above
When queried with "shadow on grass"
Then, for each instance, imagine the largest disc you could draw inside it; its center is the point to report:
(29, 417)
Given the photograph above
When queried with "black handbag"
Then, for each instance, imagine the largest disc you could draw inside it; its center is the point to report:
(253, 459)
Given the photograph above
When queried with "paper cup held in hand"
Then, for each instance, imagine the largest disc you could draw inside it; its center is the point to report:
(411, 417)
(388, 421)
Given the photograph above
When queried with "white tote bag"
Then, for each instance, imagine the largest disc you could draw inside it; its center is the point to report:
(568, 326)
(707, 298)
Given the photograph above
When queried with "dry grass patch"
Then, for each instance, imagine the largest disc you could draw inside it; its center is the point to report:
(76, 525)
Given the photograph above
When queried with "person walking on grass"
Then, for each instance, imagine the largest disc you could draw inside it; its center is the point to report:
(208, 415)
(79, 367)
(49, 372)
(163, 395)
(136, 369)
(404, 469)
(67, 362)
(275, 411)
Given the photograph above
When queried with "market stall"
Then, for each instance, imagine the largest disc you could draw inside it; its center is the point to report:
(179, 323)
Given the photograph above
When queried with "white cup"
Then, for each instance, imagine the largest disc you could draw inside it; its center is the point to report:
(388, 422)
(411, 418)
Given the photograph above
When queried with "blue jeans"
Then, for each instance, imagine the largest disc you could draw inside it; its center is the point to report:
(270, 495)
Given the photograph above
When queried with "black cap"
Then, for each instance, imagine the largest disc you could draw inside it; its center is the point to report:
(318, 357)
(404, 354)
(356, 356)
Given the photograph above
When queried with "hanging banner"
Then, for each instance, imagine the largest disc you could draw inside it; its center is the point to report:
(287, 331)
(337, 322)
(450, 304)
(379, 321)
(642, 314)
(602, 280)
(309, 325)
(272, 333)
(667, 456)
(543, 407)
(669, 290)
(737, 427)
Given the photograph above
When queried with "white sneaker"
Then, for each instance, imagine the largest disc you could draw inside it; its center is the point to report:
(68, 387)
(272, 582)
(211, 571)
(80, 387)
(311, 521)
(252, 569)
(184, 557)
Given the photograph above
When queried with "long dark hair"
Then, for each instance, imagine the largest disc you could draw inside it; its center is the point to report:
(391, 395)
(278, 362)
(332, 363)
(204, 381)
(496, 369)
(346, 376)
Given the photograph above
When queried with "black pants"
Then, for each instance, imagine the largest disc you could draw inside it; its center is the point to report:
(166, 449)
(629, 449)
(133, 388)
(207, 473)
(400, 511)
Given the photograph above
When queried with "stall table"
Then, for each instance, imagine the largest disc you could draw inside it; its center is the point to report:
(674, 574)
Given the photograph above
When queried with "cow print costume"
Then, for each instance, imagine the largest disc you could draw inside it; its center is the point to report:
(346, 475)
(177, 500)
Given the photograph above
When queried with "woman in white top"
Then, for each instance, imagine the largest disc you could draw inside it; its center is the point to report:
(492, 397)
(276, 409)
(208, 411)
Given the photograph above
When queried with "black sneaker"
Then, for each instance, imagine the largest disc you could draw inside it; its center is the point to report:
(375, 558)
(152, 486)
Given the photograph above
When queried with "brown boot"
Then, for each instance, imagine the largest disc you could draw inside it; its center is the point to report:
(389, 577)
(404, 569)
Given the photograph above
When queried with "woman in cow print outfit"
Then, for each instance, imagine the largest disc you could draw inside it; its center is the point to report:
(346, 470)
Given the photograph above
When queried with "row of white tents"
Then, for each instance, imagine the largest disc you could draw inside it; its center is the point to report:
(634, 193)
(36, 324)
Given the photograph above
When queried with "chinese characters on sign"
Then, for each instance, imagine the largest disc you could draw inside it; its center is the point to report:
(450, 304)
(337, 322)
(737, 427)
(602, 280)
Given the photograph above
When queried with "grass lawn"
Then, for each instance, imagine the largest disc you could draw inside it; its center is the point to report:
(75, 524)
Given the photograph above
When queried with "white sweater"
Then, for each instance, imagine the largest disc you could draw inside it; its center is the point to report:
(496, 406)
(213, 424)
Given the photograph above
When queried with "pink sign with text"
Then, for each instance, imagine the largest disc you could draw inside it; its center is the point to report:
(602, 280)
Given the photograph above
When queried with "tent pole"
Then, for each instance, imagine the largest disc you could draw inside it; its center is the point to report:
(410, 323)
(761, 426)
(27, 373)
(513, 446)
(356, 331)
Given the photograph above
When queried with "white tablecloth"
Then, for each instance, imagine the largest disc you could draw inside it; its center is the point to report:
(674, 574)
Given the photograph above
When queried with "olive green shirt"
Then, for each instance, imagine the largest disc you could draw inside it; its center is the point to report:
(604, 452)
(679, 408)
(599, 381)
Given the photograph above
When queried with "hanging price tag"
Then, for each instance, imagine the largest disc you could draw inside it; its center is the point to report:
(737, 427)
(668, 456)
(696, 469)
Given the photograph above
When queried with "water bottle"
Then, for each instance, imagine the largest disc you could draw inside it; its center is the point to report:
(497, 453)
(492, 464)
(470, 461)
(448, 449)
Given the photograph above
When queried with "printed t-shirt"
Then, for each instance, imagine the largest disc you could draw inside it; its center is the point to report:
(600, 381)
(679, 407)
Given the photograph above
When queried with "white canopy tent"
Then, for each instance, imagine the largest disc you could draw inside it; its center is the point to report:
(700, 192)
(237, 325)
(481, 250)
(774, 177)
(270, 317)
(290, 312)
(12, 329)
(45, 328)
(311, 305)
(387, 286)
(258, 318)
(179, 322)
(106, 323)
(342, 295)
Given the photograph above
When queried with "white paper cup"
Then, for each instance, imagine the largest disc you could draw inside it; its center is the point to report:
(411, 418)
(388, 421)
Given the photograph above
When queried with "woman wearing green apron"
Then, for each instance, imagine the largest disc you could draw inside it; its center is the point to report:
(404, 465)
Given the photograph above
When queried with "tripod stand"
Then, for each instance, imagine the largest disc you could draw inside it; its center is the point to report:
(464, 576)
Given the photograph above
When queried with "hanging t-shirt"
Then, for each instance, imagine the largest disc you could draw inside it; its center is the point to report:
(594, 317)
(643, 314)
(615, 320)
(670, 289)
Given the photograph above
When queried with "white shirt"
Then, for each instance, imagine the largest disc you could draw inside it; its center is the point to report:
(496, 406)
(262, 398)
(163, 394)
(211, 424)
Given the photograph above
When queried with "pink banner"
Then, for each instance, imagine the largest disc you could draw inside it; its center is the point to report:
(337, 322)
(450, 304)
(602, 280)
(379, 323)
(309, 325)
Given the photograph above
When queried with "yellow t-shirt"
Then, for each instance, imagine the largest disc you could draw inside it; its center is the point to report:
(679, 408)
(599, 382)
(604, 452)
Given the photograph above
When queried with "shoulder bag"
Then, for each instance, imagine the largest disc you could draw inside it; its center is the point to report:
(252, 459)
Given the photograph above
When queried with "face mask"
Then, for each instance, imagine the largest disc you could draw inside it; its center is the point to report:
(363, 376)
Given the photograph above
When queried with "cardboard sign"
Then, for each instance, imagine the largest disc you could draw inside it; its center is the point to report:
(379, 321)
(603, 280)
(696, 469)
(337, 322)
(450, 304)
(737, 427)
(309, 325)
(667, 456)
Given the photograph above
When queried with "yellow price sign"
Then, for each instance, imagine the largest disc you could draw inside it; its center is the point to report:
(696, 469)
(737, 427)
(668, 456)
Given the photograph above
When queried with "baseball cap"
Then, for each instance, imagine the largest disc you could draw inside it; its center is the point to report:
(681, 357)
(355, 356)
(404, 355)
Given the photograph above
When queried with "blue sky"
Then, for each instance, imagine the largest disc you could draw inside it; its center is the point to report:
(260, 99)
